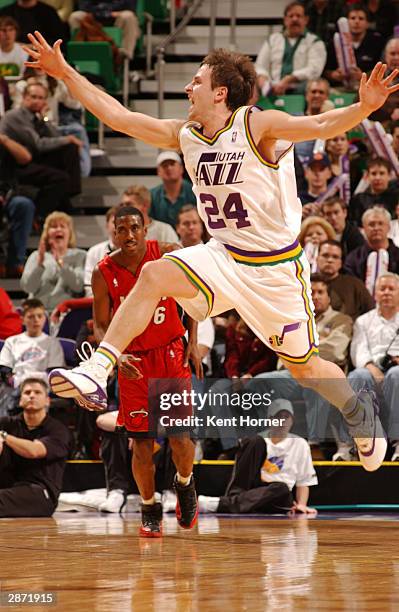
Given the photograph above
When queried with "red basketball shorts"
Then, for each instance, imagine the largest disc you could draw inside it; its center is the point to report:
(135, 403)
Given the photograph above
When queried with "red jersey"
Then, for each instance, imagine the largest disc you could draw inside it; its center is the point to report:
(165, 325)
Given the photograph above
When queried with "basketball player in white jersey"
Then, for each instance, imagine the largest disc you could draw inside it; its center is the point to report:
(241, 164)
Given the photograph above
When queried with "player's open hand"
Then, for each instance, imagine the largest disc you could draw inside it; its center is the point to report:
(374, 90)
(45, 57)
(192, 354)
(127, 365)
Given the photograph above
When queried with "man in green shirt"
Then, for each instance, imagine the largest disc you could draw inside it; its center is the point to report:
(174, 191)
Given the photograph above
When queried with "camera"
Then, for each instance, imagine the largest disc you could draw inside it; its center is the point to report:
(386, 363)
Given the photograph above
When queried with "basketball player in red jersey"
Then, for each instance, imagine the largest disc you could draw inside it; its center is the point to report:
(158, 352)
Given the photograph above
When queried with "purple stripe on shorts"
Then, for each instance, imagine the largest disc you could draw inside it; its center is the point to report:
(262, 253)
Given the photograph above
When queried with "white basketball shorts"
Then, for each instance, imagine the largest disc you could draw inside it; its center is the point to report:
(269, 290)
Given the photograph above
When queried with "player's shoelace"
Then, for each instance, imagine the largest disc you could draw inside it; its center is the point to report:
(86, 354)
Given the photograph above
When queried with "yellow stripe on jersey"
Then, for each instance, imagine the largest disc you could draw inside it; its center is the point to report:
(195, 279)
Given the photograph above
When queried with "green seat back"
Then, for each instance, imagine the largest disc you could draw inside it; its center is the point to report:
(99, 52)
(342, 99)
(294, 104)
(115, 33)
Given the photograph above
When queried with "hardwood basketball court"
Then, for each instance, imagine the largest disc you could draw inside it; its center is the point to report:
(94, 562)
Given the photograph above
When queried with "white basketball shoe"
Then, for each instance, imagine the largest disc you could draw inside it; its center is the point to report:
(87, 384)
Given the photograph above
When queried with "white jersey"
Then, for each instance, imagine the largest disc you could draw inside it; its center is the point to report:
(247, 203)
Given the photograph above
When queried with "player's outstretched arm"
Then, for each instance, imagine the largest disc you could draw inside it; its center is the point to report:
(373, 92)
(157, 132)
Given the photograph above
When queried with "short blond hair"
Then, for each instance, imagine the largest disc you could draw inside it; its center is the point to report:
(56, 215)
(316, 220)
(139, 191)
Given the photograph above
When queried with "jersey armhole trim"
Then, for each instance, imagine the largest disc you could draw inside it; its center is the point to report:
(264, 161)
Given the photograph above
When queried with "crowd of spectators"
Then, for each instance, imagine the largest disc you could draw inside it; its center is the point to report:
(350, 233)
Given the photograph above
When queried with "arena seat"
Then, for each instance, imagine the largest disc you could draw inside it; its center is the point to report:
(73, 321)
(69, 348)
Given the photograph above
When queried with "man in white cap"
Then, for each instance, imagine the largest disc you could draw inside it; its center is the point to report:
(174, 191)
(267, 468)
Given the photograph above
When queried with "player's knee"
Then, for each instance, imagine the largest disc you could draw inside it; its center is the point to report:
(152, 278)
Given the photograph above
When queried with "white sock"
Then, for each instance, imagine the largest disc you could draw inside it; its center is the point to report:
(184, 481)
(106, 355)
(208, 504)
(149, 502)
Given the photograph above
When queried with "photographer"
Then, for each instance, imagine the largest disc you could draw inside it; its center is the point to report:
(33, 449)
(375, 352)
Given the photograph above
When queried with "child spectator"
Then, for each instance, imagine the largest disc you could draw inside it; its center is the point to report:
(33, 352)
(12, 56)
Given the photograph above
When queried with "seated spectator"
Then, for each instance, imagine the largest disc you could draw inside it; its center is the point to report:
(189, 226)
(323, 16)
(62, 110)
(114, 12)
(33, 449)
(116, 456)
(348, 235)
(290, 58)
(55, 169)
(10, 319)
(19, 209)
(316, 98)
(378, 254)
(32, 352)
(32, 15)
(314, 231)
(335, 331)
(317, 173)
(245, 357)
(375, 353)
(55, 271)
(348, 294)
(12, 56)
(389, 111)
(140, 197)
(100, 250)
(268, 466)
(63, 7)
(379, 191)
(367, 46)
(174, 191)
